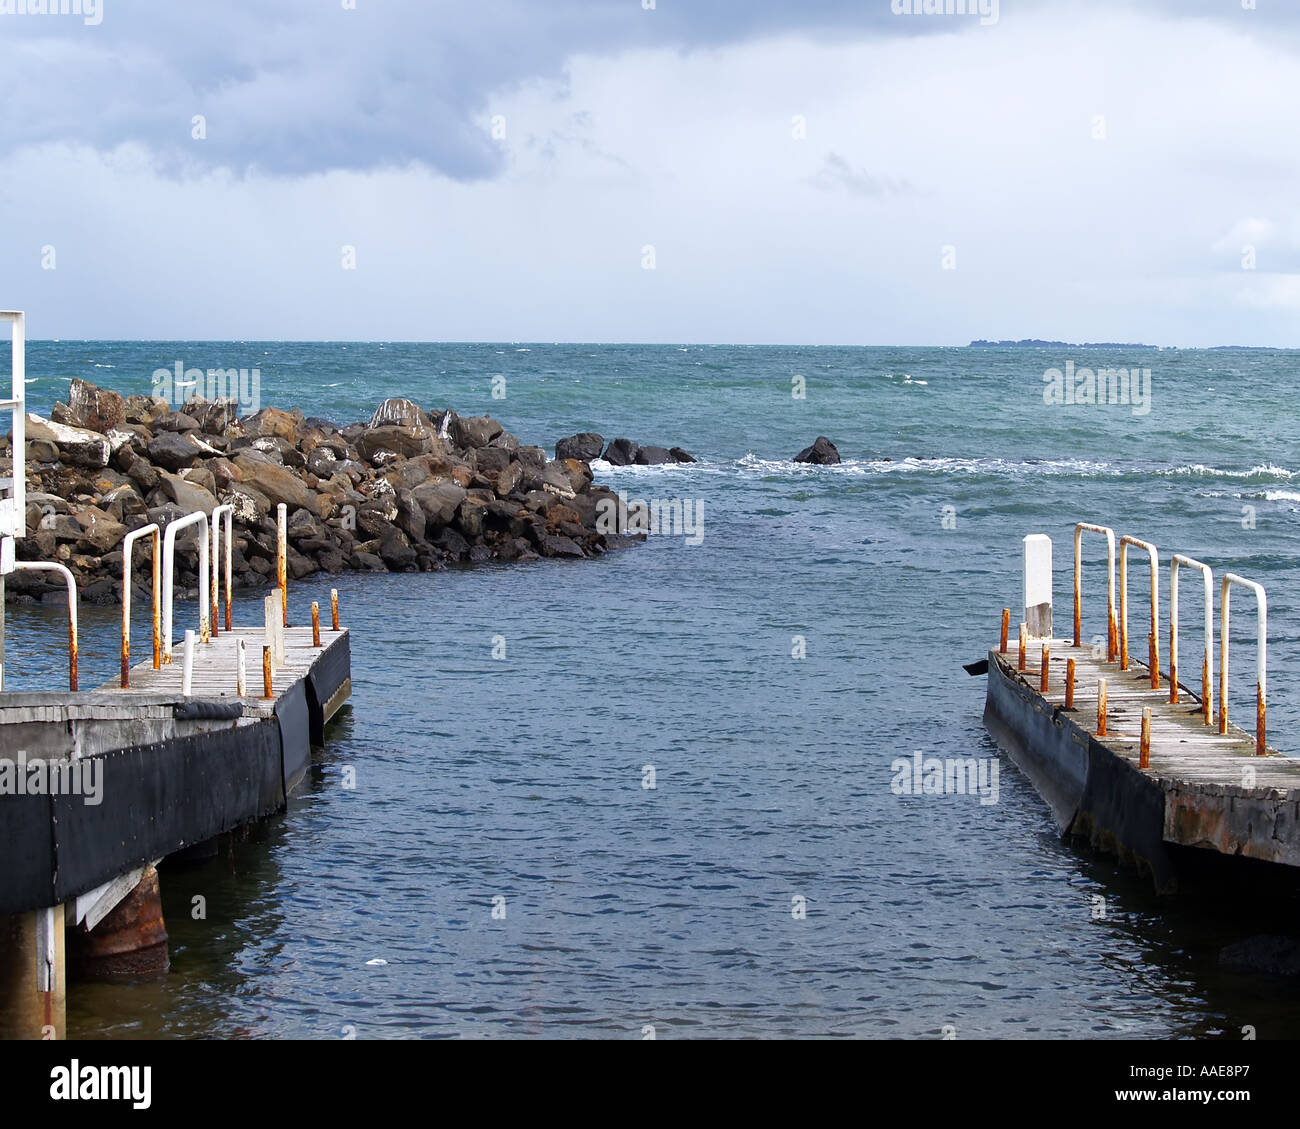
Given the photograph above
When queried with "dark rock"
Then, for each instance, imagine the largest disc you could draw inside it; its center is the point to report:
(439, 500)
(397, 555)
(584, 446)
(555, 545)
(452, 543)
(822, 453)
(491, 460)
(176, 422)
(621, 452)
(653, 456)
(368, 562)
(173, 451)
(474, 431)
(682, 456)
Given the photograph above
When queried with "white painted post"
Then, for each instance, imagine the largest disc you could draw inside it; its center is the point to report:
(241, 681)
(1038, 585)
(187, 664)
(275, 628)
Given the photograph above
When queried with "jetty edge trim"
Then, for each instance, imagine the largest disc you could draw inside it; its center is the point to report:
(1261, 657)
(1111, 633)
(1153, 640)
(1207, 662)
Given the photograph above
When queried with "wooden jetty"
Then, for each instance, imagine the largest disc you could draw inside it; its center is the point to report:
(1129, 758)
(98, 787)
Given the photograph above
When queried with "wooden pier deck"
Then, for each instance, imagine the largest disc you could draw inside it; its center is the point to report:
(1200, 789)
(1183, 748)
(216, 664)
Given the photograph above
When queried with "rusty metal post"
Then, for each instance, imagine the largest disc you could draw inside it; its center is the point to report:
(1024, 643)
(334, 607)
(214, 596)
(1206, 690)
(241, 676)
(1144, 746)
(1260, 710)
(1101, 707)
(282, 556)
(1173, 654)
(266, 672)
(1153, 660)
(1006, 629)
(315, 624)
(1042, 685)
(1069, 684)
(157, 599)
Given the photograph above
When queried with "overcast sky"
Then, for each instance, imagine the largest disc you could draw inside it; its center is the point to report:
(804, 171)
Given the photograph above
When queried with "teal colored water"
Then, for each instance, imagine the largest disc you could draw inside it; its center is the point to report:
(522, 779)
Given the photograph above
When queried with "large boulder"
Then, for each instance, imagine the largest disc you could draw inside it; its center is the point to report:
(275, 482)
(188, 495)
(822, 453)
(408, 442)
(621, 452)
(474, 431)
(584, 446)
(439, 500)
(397, 412)
(99, 529)
(682, 456)
(76, 446)
(272, 421)
(94, 408)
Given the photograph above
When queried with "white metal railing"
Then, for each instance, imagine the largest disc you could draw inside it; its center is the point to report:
(200, 519)
(1079, 530)
(1261, 658)
(228, 512)
(1207, 661)
(13, 496)
(127, 542)
(70, 581)
(1153, 640)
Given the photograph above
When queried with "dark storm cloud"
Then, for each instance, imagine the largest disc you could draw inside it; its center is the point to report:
(303, 86)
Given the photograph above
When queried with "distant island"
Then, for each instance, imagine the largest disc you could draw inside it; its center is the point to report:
(1035, 343)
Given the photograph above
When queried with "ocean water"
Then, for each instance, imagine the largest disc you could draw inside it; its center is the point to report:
(771, 883)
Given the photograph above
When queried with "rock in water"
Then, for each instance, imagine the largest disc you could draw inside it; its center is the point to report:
(584, 447)
(821, 453)
(621, 452)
